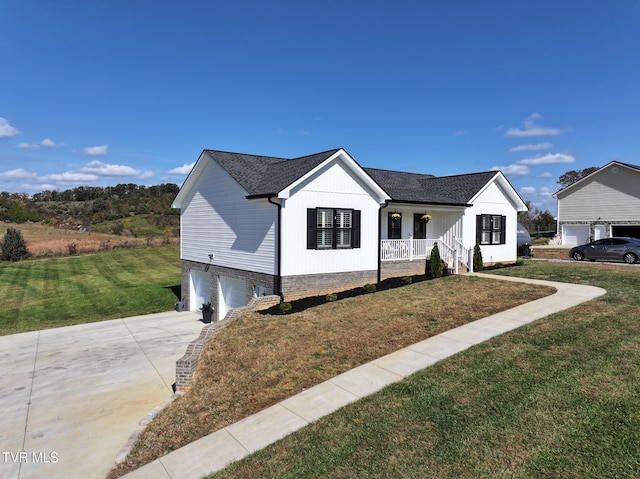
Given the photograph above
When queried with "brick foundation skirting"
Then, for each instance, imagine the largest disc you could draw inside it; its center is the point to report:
(308, 285)
(396, 269)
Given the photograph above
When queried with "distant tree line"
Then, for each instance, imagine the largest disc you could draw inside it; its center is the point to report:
(118, 192)
(537, 222)
(14, 208)
(89, 205)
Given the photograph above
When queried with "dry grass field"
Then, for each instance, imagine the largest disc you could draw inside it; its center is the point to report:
(45, 240)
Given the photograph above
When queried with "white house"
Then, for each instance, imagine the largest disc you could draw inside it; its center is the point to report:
(254, 225)
(603, 204)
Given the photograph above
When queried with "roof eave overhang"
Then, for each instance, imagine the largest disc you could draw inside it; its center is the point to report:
(190, 180)
(430, 203)
(502, 180)
(377, 191)
(590, 176)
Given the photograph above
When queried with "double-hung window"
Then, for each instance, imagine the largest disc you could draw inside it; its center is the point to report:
(333, 228)
(490, 229)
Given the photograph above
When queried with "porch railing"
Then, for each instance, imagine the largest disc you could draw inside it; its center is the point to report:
(416, 249)
(465, 255)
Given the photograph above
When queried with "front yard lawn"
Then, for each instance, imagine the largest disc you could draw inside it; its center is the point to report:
(557, 398)
(260, 360)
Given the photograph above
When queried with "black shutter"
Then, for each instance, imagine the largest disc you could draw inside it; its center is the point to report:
(479, 229)
(355, 229)
(503, 230)
(312, 237)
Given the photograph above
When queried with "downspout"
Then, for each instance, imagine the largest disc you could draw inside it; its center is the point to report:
(278, 282)
(386, 203)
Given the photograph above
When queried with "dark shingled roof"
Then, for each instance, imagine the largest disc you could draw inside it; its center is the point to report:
(265, 175)
(419, 188)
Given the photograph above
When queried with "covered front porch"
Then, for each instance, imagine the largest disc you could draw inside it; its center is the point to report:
(409, 232)
(411, 249)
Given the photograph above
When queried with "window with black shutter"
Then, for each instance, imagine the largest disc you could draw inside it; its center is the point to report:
(333, 228)
(490, 229)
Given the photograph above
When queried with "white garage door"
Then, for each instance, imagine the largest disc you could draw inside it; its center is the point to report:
(200, 290)
(233, 294)
(575, 235)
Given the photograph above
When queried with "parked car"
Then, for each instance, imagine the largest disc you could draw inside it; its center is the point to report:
(524, 241)
(610, 249)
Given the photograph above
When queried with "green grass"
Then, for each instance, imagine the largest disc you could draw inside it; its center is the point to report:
(557, 398)
(53, 292)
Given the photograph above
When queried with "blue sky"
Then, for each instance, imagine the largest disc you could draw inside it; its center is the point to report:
(101, 93)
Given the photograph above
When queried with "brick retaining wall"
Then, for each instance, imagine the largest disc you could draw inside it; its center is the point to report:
(186, 365)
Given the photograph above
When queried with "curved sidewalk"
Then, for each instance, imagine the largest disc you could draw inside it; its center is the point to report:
(215, 451)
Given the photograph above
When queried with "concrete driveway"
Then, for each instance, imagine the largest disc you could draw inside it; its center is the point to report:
(72, 396)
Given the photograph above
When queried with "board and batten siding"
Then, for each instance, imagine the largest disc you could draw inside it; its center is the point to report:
(333, 186)
(240, 233)
(611, 194)
(493, 201)
(445, 223)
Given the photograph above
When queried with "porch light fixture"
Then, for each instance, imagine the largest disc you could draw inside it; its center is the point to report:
(206, 268)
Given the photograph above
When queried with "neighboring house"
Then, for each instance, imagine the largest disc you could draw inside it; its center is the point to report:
(255, 225)
(603, 204)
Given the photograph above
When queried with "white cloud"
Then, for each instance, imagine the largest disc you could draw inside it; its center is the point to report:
(548, 159)
(527, 190)
(6, 130)
(96, 150)
(531, 147)
(545, 176)
(17, 175)
(46, 143)
(28, 146)
(70, 177)
(531, 129)
(99, 168)
(512, 170)
(182, 170)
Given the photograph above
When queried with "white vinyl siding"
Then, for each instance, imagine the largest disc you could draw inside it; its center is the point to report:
(604, 196)
(333, 187)
(495, 202)
(240, 233)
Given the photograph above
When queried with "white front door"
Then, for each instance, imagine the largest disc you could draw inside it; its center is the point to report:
(599, 232)
(233, 294)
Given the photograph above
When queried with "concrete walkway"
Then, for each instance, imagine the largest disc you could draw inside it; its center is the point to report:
(253, 433)
(72, 396)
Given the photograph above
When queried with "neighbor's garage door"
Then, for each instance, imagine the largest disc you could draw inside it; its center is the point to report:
(233, 294)
(575, 235)
(630, 230)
